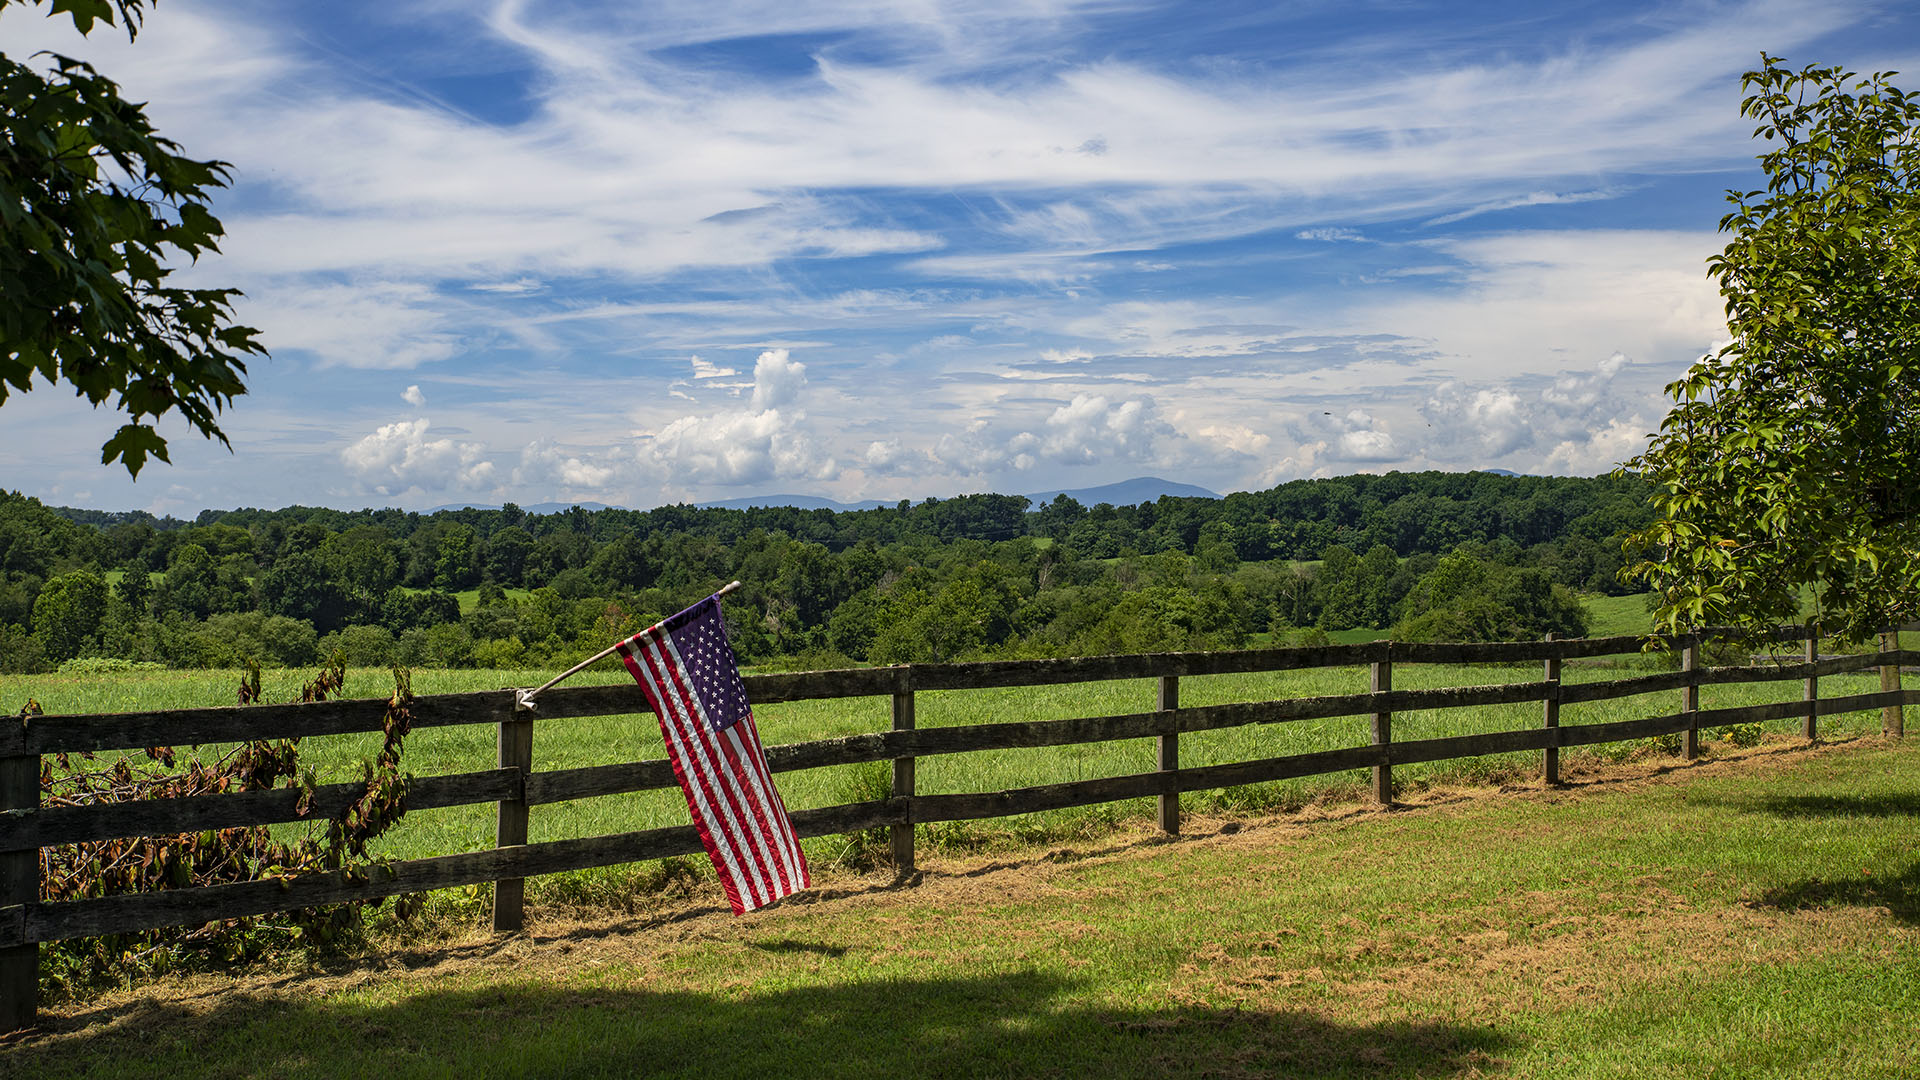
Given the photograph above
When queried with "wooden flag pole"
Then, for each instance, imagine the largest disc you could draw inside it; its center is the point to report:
(523, 699)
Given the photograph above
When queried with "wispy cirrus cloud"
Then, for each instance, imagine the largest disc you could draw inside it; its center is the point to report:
(1038, 242)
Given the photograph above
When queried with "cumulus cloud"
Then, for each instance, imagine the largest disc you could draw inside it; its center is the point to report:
(546, 466)
(1578, 395)
(889, 457)
(1582, 421)
(1091, 429)
(399, 457)
(777, 379)
(1599, 450)
(1236, 438)
(737, 448)
(766, 441)
(1487, 423)
(1360, 438)
(414, 397)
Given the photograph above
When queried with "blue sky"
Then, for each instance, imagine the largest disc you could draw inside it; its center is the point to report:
(640, 253)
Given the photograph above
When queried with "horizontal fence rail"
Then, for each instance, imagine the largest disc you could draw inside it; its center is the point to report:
(515, 787)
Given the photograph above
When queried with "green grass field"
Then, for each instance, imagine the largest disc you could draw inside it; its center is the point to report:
(1612, 616)
(1756, 917)
(561, 744)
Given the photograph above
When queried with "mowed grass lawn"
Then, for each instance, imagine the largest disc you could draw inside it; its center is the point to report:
(1754, 915)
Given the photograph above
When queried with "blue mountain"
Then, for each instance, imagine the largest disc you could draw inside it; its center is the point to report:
(798, 502)
(1126, 493)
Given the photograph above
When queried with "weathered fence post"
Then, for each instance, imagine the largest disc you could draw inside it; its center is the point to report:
(1550, 757)
(1383, 727)
(510, 823)
(19, 885)
(901, 836)
(1811, 726)
(1168, 746)
(1893, 718)
(1690, 699)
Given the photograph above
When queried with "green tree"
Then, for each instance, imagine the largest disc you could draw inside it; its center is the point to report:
(68, 612)
(507, 553)
(301, 586)
(1787, 465)
(135, 588)
(1464, 598)
(94, 205)
(456, 566)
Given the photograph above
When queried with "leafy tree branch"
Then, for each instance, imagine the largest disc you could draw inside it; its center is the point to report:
(96, 209)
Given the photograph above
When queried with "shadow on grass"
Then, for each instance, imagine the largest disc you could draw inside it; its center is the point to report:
(1011, 1024)
(1895, 804)
(1899, 894)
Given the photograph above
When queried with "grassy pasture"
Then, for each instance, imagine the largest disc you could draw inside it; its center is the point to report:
(1754, 916)
(572, 743)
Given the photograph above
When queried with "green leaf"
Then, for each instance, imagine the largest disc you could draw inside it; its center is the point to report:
(132, 445)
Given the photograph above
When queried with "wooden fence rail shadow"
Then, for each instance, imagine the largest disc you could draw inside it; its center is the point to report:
(25, 827)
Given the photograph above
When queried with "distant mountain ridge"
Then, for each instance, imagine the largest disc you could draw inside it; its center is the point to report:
(1126, 492)
(531, 508)
(798, 502)
(1122, 493)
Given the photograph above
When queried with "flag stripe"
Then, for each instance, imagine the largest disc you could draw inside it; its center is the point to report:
(738, 760)
(733, 803)
(763, 779)
(685, 668)
(724, 803)
(721, 831)
(700, 801)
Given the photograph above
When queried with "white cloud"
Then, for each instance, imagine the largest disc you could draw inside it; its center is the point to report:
(1065, 356)
(1532, 198)
(633, 164)
(516, 287)
(1090, 430)
(706, 369)
(1329, 235)
(1570, 424)
(399, 457)
(1237, 438)
(736, 448)
(1476, 427)
(777, 379)
(1600, 450)
(642, 206)
(1367, 446)
(766, 441)
(414, 397)
(549, 467)
(370, 324)
(1358, 437)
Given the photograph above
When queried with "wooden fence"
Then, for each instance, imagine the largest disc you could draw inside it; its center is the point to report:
(516, 788)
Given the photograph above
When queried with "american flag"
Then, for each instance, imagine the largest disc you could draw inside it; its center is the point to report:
(687, 670)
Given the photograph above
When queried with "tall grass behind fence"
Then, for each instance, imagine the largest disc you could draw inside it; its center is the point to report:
(1112, 729)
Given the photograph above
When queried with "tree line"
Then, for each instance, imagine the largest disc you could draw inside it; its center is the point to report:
(1455, 556)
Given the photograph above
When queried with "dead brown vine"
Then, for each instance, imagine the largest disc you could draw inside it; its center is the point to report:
(119, 866)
